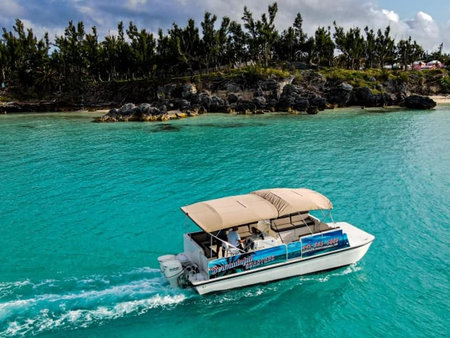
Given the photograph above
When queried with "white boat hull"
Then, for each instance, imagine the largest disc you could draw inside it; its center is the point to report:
(295, 267)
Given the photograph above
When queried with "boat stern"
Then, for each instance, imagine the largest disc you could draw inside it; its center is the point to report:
(356, 236)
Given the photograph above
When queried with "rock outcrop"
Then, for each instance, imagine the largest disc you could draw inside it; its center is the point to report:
(309, 93)
(419, 102)
(364, 96)
(144, 112)
(339, 94)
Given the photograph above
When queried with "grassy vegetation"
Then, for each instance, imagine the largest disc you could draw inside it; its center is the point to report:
(445, 83)
(373, 78)
(6, 98)
(249, 73)
(357, 78)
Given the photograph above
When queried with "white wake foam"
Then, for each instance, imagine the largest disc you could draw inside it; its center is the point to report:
(72, 303)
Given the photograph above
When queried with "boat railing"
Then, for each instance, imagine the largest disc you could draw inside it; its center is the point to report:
(304, 247)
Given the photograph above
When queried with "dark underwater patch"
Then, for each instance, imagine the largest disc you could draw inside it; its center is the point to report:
(165, 127)
(227, 125)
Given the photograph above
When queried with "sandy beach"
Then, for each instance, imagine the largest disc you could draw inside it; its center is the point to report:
(441, 99)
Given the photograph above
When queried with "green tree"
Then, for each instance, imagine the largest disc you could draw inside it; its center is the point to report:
(93, 54)
(286, 47)
(209, 43)
(69, 59)
(223, 42)
(237, 48)
(262, 34)
(186, 44)
(351, 44)
(370, 47)
(384, 46)
(24, 60)
(3, 62)
(408, 52)
(324, 47)
(300, 37)
(310, 45)
(142, 51)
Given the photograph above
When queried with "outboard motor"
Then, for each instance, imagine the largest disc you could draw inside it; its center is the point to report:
(171, 268)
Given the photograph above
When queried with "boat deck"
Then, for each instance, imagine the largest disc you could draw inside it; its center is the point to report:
(283, 230)
(355, 235)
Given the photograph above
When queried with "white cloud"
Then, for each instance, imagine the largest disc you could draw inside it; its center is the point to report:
(424, 17)
(425, 22)
(105, 14)
(40, 30)
(347, 13)
(391, 15)
(92, 14)
(133, 4)
(10, 8)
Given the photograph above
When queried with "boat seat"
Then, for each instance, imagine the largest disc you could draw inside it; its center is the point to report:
(244, 231)
(208, 250)
(285, 226)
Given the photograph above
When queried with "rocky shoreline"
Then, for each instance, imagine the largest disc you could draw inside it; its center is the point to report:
(311, 95)
(240, 95)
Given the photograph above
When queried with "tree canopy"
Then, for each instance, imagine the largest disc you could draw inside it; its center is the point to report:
(37, 65)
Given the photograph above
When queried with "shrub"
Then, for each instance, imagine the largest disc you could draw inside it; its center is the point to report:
(445, 83)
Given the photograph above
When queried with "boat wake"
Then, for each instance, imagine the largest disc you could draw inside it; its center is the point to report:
(322, 277)
(267, 293)
(28, 307)
(32, 308)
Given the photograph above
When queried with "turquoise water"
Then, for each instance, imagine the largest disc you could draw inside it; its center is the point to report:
(85, 210)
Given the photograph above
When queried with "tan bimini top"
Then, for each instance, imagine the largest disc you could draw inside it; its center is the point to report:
(226, 212)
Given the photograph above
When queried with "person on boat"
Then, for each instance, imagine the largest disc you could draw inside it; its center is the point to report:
(234, 238)
(222, 237)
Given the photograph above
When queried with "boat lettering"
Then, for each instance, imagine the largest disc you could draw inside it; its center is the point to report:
(247, 263)
(240, 262)
(313, 244)
(258, 262)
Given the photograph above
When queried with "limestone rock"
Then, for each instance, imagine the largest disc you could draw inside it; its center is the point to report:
(189, 89)
(173, 114)
(232, 98)
(232, 87)
(126, 108)
(419, 102)
(259, 102)
(339, 95)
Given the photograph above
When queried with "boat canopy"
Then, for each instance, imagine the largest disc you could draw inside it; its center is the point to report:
(226, 212)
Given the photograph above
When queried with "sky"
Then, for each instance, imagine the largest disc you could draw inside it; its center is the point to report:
(427, 22)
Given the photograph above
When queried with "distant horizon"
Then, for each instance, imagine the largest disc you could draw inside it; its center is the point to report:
(428, 25)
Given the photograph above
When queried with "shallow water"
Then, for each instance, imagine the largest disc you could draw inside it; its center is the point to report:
(87, 208)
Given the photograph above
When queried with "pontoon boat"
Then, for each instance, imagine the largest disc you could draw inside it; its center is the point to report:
(280, 239)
